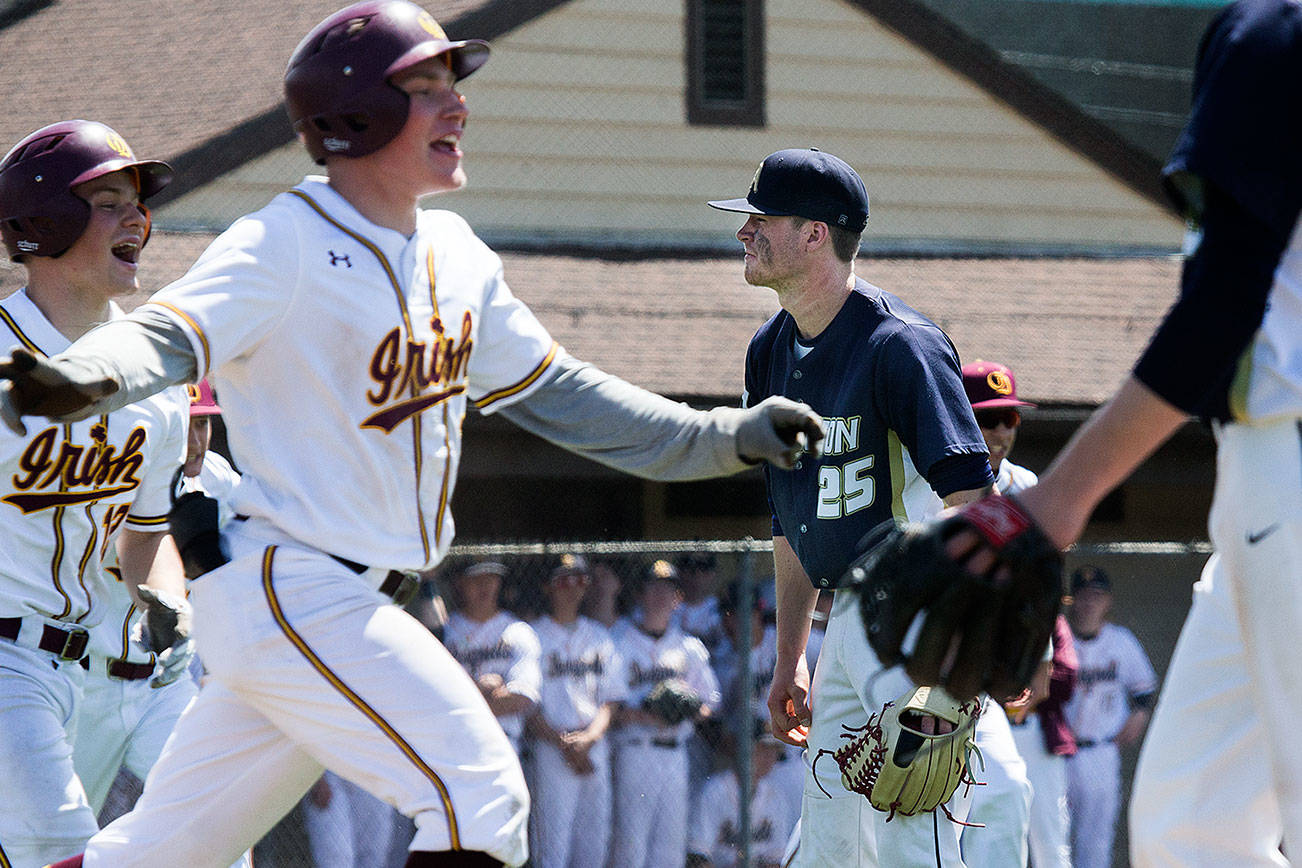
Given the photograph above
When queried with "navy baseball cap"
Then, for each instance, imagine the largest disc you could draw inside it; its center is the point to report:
(805, 182)
(1090, 576)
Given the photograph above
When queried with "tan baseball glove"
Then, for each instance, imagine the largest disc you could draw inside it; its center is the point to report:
(913, 754)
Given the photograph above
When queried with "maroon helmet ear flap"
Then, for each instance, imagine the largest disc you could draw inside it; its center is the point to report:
(149, 223)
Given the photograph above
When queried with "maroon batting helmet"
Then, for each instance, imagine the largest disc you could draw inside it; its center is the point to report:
(337, 86)
(39, 213)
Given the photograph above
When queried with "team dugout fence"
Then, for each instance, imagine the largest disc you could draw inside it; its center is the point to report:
(1152, 583)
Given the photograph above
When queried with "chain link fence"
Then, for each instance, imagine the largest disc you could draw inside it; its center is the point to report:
(730, 819)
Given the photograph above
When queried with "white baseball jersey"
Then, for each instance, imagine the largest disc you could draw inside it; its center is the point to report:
(716, 828)
(503, 645)
(702, 620)
(307, 316)
(763, 657)
(580, 672)
(1113, 669)
(216, 478)
(67, 489)
(1012, 478)
(648, 661)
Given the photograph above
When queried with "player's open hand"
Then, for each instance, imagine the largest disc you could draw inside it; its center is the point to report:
(34, 385)
(779, 430)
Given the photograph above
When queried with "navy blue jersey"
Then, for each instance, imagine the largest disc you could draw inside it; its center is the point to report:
(1236, 171)
(886, 381)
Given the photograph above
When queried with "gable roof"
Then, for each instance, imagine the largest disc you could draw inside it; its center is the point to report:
(1070, 328)
(226, 57)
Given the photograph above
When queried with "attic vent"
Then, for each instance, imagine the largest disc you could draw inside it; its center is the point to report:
(725, 62)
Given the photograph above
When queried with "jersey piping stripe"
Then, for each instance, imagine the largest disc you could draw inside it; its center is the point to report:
(895, 453)
(268, 558)
(4, 860)
(203, 338)
(147, 520)
(18, 333)
(519, 387)
(56, 560)
(406, 321)
(375, 251)
(447, 430)
(91, 545)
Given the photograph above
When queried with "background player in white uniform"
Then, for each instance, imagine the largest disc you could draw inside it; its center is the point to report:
(582, 682)
(70, 212)
(651, 778)
(1003, 804)
(127, 710)
(342, 309)
(715, 838)
(497, 649)
(1115, 689)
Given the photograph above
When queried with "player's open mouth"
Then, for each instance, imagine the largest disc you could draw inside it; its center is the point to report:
(127, 251)
(448, 144)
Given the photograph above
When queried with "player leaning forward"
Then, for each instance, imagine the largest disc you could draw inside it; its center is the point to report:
(342, 309)
(71, 201)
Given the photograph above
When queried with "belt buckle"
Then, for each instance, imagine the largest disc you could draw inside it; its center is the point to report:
(74, 643)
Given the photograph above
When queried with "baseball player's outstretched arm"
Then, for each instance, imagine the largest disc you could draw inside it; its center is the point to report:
(111, 366)
(585, 410)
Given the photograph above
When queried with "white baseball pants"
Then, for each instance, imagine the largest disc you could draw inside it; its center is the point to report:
(124, 723)
(310, 668)
(841, 828)
(1220, 776)
(44, 815)
(1047, 836)
(570, 826)
(651, 804)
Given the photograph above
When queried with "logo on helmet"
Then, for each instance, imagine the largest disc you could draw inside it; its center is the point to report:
(430, 26)
(118, 145)
(999, 381)
(29, 246)
(335, 145)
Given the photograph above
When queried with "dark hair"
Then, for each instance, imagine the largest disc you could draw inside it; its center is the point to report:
(845, 243)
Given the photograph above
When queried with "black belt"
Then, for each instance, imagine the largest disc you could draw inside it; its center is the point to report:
(667, 743)
(64, 644)
(1092, 743)
(397, 585)
(129, 671)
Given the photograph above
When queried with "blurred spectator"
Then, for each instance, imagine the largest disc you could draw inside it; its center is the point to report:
(698, 615)
(346, 826)
(498, 649)
(1114, 694)
(603, 602)
(582, 681)
(651, 776)
(774, 809)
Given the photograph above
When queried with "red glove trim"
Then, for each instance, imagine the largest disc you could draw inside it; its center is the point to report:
(998, 519)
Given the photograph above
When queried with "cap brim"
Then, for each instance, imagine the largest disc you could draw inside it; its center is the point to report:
(205, 410)
(1000, 402)
(743, 206)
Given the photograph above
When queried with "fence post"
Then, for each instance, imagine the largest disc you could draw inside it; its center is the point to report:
(745, 738)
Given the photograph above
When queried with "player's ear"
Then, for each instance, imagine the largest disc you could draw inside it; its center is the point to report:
(817, 234)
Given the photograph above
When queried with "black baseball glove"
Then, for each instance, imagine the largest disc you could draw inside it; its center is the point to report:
(981, 632)
(673, 701)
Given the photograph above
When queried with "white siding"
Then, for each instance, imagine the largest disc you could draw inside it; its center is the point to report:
(577, 129)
